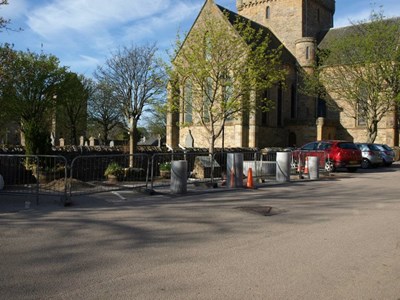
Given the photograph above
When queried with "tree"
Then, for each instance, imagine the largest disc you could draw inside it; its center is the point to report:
(7, 56)
(156, 121)
(137, 78)
(359, 72)
(71, 102)
(219, 70)
(103, 109)
(3, 22)
(30, 83)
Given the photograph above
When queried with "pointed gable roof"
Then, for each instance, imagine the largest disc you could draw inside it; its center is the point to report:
(287, 56)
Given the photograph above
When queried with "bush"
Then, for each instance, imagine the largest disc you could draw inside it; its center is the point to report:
(37, 139)
(113, 169)
(165, 166)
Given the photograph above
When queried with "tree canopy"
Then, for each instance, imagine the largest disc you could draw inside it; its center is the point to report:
(71, 102)
(137, 78)
(104, 110)
(29, 84)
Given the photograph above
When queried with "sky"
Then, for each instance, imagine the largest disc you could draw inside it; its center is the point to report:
(84, 33)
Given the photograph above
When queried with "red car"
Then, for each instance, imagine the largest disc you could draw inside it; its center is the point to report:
(333, 154)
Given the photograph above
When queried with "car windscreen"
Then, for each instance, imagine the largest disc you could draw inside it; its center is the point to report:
(345, 145)
(387, 148)
(374, 147)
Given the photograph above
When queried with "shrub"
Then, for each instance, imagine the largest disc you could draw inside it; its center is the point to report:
(113, 169)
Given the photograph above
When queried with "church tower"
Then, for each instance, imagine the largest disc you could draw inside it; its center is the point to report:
(298, 24)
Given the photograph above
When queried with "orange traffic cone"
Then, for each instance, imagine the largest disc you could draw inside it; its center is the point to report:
(299, 166)
(250, 182)
(232, 178)
(306, 166)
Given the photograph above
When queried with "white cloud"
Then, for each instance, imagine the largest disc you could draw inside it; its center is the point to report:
(163, 25)
(85, 64)
(14, 10)
(87, 15)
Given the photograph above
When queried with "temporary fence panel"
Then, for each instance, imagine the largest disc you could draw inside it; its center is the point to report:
(200, 168)
(102, 173)
(160, 168)
(299, 164)
(34, 174)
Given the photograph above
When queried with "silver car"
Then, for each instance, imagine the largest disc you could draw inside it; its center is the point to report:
(387, 154)
(371, 155)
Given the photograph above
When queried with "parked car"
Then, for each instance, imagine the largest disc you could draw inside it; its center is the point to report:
(333, 154)
(387, 154)
(371, 155)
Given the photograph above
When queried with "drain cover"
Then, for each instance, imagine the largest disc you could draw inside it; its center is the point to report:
(261, 210)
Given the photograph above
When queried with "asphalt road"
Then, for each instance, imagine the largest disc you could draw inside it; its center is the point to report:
(328, 239)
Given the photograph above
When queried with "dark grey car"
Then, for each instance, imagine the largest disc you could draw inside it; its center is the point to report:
(387, 154)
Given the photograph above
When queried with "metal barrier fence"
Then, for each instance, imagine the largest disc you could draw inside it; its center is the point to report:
(102, 173)
(299, 164)
(34, 174)
(53, 175)
(202, 168)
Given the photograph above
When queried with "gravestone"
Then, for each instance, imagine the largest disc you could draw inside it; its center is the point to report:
(203, 166)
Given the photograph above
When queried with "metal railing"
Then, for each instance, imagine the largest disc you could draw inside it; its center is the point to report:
(299, 164)
(92, 174)
(34, 174)
(55, 175)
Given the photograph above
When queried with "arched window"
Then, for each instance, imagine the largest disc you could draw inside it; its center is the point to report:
(268, 12)
(207, 98)
(227, 96)
(188, 102)
(308, 52)
(293, 101)
(207, 46)
(279, 108)
(264, 108)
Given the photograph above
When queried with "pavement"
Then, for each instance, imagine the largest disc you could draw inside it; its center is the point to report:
(328, 239)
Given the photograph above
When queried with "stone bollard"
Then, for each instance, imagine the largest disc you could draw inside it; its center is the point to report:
(283, 160)
(234, 170)
(179, 177)
(313, 167)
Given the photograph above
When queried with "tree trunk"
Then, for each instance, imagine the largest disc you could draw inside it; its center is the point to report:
(74, 135)
(132, 128)
(105, 133)
(372, 132)
(396, 125)
(211, 156)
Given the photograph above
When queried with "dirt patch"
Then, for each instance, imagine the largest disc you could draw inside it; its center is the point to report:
(59, 185)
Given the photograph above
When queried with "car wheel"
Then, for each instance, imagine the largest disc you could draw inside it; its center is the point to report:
(329, 166)
(352, 170)
(365, 164)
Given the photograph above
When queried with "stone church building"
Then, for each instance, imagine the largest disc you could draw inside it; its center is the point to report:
(301, 26)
